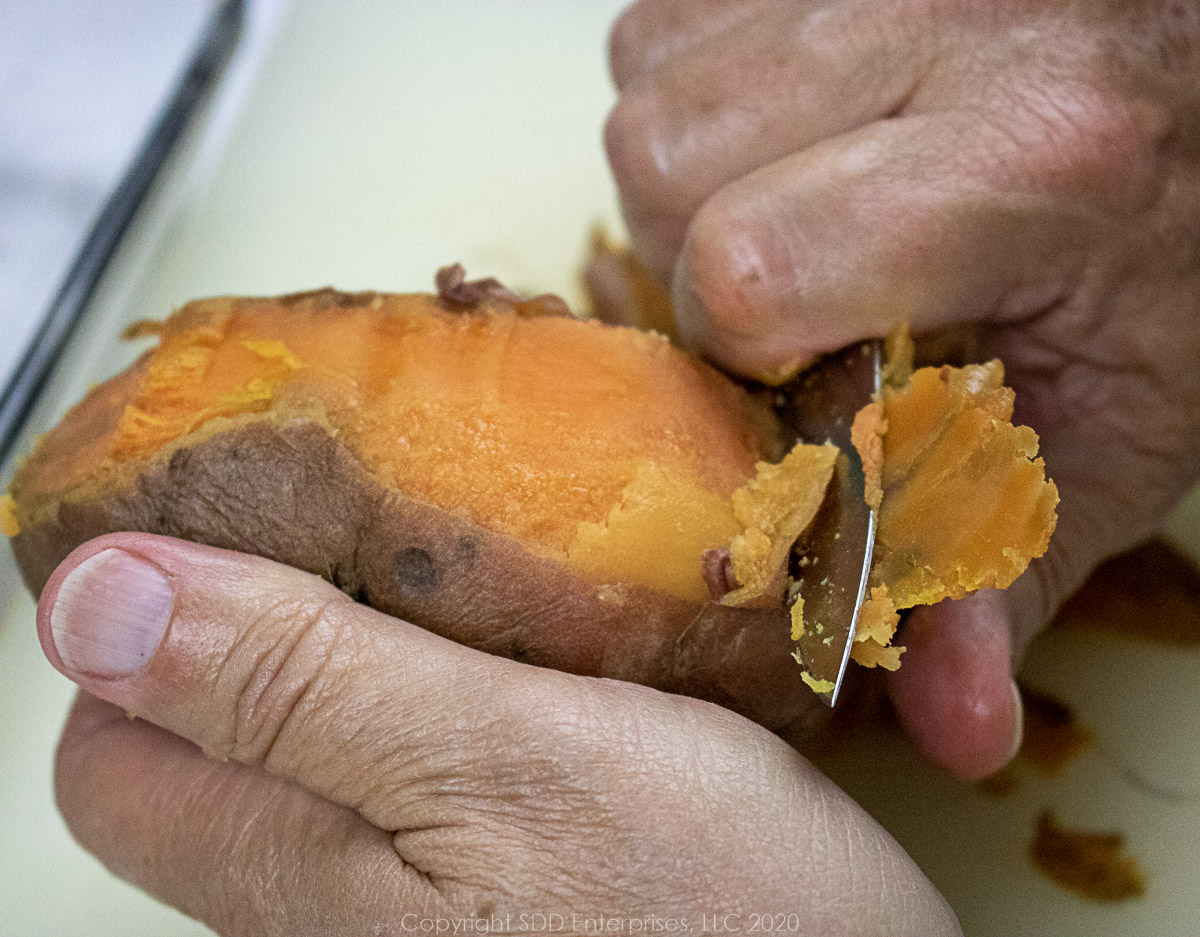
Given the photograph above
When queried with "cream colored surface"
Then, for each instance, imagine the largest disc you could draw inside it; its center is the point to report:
(1141, 778)
(381, 140)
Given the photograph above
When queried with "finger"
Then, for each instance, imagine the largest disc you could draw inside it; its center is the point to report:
(244, 852)
(270, 666)
(954, 693)
(650, 32)
(933, 219)
(770, 87)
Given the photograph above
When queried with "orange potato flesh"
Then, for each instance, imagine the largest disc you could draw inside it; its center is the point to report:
(656, 516)
(965, 502)
(533, 426)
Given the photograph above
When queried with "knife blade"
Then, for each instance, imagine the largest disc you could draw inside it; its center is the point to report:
(834, 561)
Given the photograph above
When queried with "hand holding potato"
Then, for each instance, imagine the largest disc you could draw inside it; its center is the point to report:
(363, 775)
(1020, 177)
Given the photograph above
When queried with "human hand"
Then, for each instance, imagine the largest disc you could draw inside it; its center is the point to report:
(1020, 176)
(364, 776)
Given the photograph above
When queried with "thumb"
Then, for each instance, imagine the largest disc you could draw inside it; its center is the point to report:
(505, 785)
(272, 667)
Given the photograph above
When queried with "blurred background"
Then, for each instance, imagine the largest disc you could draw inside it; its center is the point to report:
(80, 85)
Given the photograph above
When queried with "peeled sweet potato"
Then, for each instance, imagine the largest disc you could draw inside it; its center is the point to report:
(531, 484)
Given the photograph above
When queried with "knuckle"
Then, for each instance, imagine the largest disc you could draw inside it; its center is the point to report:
(653, 171)
(729, 271)
(278, 674)
(1095, 116)
(1099, 147)
(629, 135)
(657, 199)
(1112, 142)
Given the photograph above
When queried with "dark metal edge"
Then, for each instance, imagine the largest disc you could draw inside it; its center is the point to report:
(65, 311)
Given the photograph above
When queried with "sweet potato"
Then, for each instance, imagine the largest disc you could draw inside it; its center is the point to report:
(491, 468)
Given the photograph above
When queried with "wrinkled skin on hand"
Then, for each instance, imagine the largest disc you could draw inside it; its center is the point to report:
(364, 775)
(1016, 179)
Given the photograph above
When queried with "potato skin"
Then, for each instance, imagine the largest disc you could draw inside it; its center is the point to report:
(287, 489)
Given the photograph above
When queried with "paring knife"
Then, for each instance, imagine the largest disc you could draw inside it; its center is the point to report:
(835, 565)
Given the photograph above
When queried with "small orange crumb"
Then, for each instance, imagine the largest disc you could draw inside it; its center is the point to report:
(797, 616)
(866, 434)
(876, 626)
(1092, 865)
(780, 374)
(817, 686)
(8, 516)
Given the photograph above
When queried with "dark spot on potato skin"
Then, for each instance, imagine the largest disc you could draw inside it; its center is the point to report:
(415, 572)
(465, 549)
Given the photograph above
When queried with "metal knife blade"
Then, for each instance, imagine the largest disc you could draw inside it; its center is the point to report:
(836, 552)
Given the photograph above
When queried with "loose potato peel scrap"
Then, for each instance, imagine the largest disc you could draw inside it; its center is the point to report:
(963, 501)
(1093, 865)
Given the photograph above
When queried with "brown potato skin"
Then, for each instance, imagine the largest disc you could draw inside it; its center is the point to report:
(287, 489)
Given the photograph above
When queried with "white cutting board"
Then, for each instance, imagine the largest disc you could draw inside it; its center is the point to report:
(381, 140)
